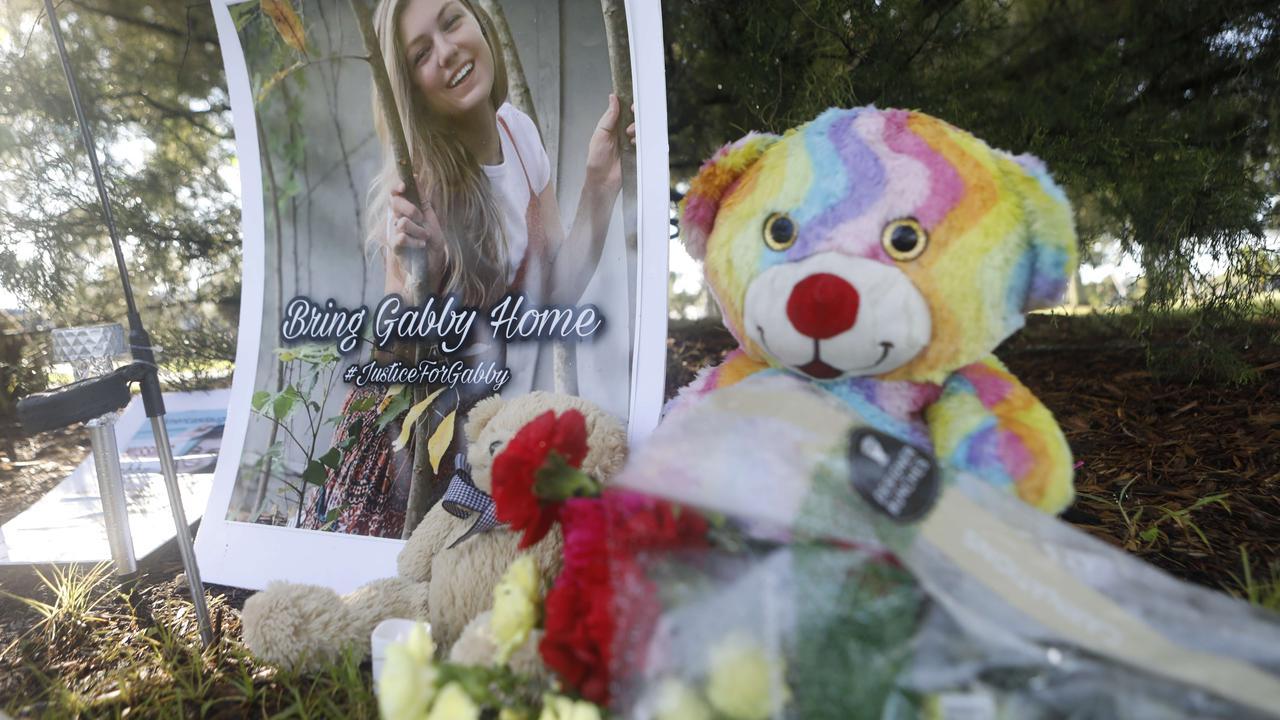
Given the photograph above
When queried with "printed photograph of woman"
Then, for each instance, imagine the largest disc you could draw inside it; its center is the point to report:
(514, 134)
(489, 225)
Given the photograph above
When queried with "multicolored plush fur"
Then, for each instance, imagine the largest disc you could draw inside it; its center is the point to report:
(884, 254)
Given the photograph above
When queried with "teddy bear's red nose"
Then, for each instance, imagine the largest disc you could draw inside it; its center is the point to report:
(822, 306)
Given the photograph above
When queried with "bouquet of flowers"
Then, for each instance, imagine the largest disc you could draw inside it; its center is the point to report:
(723, 580)
(809, 600)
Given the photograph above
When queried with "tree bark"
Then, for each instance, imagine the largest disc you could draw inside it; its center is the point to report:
(421, 490)
(615, 32)
(260, 496)
(517, 84)
(1075, 290)
(564, 356)
(387, 104)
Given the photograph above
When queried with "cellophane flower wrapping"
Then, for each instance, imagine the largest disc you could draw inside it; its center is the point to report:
(801, 600)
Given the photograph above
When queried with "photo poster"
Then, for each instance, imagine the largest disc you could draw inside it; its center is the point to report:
(549, 267)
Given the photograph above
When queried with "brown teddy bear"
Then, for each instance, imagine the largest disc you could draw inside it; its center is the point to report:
(441, 580)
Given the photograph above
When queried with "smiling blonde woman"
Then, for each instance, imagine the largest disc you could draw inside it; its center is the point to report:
(489, 225)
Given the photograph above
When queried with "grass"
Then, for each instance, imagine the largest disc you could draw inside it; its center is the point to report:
(1260, 591)
(1188, 343)
(97, 649)
(1147, 525)
(71, 613)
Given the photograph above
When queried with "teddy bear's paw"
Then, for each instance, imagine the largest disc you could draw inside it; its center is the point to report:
(393, 597)
(299, 627)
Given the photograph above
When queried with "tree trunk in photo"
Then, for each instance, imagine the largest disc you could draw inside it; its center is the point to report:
(264, 480)
(615, 32)
(564, 356)
(387, 105)
(517, 84)
(421, 492)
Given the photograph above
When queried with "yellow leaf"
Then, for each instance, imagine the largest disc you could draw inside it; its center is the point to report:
(440, 439)
(287, 23)
(388, 396)
(412, 417)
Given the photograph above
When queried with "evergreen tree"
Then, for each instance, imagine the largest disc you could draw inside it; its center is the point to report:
(1160, 119)
(152, 84)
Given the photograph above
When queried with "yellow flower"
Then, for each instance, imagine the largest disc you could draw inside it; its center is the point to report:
(420, 644)
(453, 703)
(515, 606)
(559, 707)
(675, 700)
(408, 681)
(507, 713)
(745, 682)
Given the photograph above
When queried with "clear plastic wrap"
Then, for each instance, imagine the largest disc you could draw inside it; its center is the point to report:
(825, 607)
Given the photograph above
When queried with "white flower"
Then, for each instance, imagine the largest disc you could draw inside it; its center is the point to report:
(453, 703)
(675, 700)
(515, 606)
(408, 681)
(420, 644)
(745, 682)
(559, 707)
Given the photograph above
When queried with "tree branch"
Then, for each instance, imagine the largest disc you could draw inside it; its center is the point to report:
(146, 24)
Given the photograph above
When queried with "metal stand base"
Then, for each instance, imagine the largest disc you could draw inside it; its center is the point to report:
(115, 507)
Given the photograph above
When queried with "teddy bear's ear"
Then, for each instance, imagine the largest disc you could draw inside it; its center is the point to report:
(481, 414)
(1051, 231)
(699, 207)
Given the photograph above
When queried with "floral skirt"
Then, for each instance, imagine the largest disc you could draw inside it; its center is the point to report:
(369, 490)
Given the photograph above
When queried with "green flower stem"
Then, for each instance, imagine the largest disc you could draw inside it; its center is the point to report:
(557, 480)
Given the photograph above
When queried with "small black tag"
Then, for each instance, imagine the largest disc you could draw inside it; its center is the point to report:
(898, 479)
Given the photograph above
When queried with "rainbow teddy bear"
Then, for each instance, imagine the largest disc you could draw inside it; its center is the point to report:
(883, 255)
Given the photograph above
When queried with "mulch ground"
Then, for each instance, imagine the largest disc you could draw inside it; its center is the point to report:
(40, 462)
(1183, 474)
(1153, 451)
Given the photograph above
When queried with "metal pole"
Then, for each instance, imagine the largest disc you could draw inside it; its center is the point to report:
(170, 473)
(141, 349)
(115, 508)
(87, 138)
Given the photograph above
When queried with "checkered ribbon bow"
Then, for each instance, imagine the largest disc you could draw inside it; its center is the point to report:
(463, 499)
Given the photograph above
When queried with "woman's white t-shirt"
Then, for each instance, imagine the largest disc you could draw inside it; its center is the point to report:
(510, 189)
(530, 368)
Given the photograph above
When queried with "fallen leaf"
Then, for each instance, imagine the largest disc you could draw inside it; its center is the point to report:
(412, 416)
(440, 439)
(287, 23)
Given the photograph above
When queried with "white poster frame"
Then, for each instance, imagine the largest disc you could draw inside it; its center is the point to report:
(252, 555)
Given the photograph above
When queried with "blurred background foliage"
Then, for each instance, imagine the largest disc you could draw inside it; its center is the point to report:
(151, 78)
(1161, 120)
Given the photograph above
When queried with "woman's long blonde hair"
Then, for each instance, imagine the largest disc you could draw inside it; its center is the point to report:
(448, 174)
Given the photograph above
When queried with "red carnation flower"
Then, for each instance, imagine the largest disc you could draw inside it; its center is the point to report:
(546, 444)
(602, 603)
(577, 635)
(579, 619)
(643, 522)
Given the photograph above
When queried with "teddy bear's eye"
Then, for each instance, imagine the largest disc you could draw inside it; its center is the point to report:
(904, 239)
(493, 446)
(779, 231)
